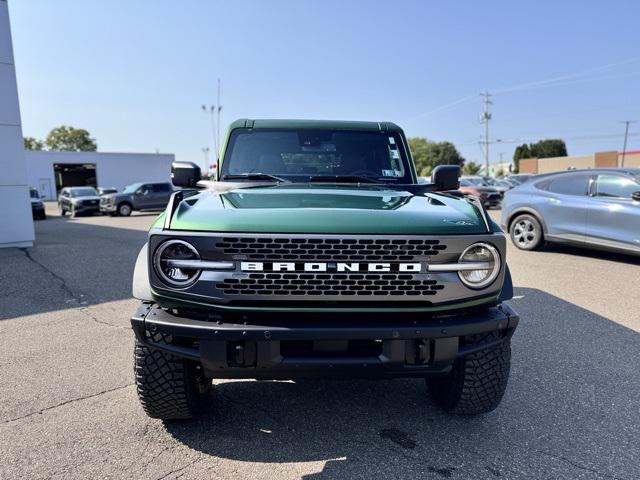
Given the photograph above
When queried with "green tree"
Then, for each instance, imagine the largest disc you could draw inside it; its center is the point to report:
(70, 139)
(32, 143)
(427, 155)
(471, 168)
(552, 147)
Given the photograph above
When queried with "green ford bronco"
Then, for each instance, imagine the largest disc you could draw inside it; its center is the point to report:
(316, 253)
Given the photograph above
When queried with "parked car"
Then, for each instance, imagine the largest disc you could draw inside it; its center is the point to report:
(501, 187)
(489, 196)
(597, 208)
(37, 207)
(519, 178)
(78, 200)
(106, 190)
(139, 196)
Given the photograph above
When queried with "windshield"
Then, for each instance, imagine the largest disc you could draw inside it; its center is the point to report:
(83, 192)
(301, 155)
(132, 188)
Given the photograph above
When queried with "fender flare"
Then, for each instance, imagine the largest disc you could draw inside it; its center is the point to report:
(507, 286)
(141, 286)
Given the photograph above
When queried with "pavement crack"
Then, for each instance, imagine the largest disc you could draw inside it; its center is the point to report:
(172, 472)
(63, 283)
(578, 466)
(95, 319)
(66, 402)
(75, 297)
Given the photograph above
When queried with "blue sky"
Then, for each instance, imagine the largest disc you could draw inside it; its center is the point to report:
(135, 73)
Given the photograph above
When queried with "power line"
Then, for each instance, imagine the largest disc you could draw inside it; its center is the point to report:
(563, 78)
(568, 79)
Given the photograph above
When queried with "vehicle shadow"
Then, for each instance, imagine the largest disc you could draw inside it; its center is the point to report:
(572, 372)
(591, 253)
(73, 263)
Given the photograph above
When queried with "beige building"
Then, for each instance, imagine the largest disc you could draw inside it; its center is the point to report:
(595, 160)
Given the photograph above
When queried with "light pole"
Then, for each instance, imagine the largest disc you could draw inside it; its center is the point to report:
(205, 150)
(219, 111)
(211, 110)
(485, 116)
(626, 134)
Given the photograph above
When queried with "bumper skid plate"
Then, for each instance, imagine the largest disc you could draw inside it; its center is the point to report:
(296, 349)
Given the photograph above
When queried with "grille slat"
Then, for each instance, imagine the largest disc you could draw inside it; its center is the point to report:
(328, 284)
(396, 250)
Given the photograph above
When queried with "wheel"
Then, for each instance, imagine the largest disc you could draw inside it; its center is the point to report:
(477, 381)
(169, 387)
(124, 209)
(526, 232)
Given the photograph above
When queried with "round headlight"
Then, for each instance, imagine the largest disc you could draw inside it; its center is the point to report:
(484, 255)
(168, 259)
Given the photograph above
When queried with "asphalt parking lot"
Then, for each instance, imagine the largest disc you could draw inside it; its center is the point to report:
(68, 406)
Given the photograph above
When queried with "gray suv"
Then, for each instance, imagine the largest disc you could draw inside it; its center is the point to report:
(594, 208)
(139, 196)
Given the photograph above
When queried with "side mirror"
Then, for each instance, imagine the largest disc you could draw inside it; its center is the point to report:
(635, 196)
(446, 177)
(185, 174)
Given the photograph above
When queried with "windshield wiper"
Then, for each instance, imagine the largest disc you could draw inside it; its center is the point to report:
(254, 176)
(342, 179)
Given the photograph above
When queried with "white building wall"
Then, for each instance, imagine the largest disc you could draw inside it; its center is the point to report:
(112, 169)
(16, 223)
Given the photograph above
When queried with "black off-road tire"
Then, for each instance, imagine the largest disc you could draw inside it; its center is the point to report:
(169, 387)
(477, 381)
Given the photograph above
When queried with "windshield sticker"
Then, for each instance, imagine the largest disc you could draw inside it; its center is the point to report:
(395, 154)
(391, 173)
(392, 140)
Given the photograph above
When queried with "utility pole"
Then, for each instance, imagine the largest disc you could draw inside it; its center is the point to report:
(211, 110)
(626, 134)
(218, 146)
(485, 116)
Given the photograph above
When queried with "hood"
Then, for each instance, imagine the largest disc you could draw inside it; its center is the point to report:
(327, 209)
(82, 199)
(113, 196)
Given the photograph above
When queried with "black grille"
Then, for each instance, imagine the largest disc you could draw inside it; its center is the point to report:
(90, 203)
(329, 284)
(337, 249)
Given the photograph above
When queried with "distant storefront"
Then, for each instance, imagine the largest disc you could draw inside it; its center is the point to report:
(611, 159)
(49, 172)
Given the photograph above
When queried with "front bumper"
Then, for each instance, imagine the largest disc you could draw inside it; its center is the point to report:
(38, 212)
(86, 208)
(330, 347)
(108, 207)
